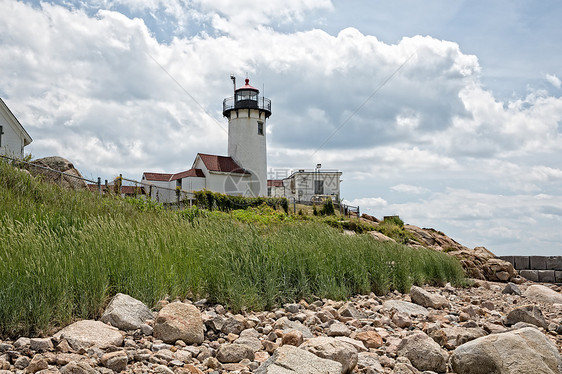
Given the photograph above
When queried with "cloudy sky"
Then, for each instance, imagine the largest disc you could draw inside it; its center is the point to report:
(445, 112)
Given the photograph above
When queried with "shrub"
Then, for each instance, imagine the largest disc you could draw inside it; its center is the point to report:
(327, 208)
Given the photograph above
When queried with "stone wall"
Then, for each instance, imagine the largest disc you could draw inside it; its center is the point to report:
(546, 269)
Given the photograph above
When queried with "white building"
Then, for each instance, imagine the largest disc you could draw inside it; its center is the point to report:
(13, 137)
(307, 185)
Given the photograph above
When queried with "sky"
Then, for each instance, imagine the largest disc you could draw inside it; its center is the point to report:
(447, 113)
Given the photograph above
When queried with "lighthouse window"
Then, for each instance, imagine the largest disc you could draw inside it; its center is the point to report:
(260, 128)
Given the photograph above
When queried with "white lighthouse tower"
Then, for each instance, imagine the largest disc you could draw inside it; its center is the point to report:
(247, 113)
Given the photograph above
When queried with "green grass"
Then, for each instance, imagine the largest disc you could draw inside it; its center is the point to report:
(63, 254)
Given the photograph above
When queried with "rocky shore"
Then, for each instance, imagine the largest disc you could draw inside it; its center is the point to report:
(489, 328)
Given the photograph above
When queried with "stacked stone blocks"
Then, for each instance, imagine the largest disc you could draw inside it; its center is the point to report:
(547, 269)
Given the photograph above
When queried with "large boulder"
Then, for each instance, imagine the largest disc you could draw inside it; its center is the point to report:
(48, 170)
(423, 352)
(88, 333)
(179, 321)
(333, 349)
(524, 351)
(543, 294)
(126, 312)
(292, 360)
(427, 299)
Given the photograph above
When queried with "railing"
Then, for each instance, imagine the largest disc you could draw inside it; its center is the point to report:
(230, 103)
(76, 182)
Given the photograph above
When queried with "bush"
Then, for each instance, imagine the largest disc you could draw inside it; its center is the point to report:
(327, 208)
(210, 200)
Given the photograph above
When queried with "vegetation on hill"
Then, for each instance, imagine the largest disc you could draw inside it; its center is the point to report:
(63, 254)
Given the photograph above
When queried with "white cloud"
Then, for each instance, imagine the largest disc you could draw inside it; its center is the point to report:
(369, 203)
(407, 188)
(553, 80)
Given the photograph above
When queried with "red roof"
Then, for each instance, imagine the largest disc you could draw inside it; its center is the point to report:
(188, 173)
(274, 183)
(160, 177)
(247, 86)
(222, 164)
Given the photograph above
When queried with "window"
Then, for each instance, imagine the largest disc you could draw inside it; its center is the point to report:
(318, 187)
(260, 128)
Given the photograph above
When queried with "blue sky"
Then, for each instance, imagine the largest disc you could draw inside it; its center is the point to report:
(447, 113)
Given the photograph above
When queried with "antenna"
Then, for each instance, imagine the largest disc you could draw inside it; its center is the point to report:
(233, 78)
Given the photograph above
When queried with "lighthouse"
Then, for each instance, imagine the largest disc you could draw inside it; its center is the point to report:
(247, 113)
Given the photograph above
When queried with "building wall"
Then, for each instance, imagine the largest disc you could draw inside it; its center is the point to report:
(12, 141)
(248, 148)
(162, 195)
(301, 186)
(193, 184)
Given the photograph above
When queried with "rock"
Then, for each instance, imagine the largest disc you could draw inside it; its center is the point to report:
(22, 343)
(369, 360)
(338, 329)
(528, 314)
(455, 336)
(524, 351)
(401, 320)
(380, 236)
(231, 325)
(332, 349)
(41, 344)
(228, 353)
(116, 361)
(408, 308)
(58, 164)
(179, 321)
(249, 341)
(426, 299)
(543, 294)
(126, 313)
(292, 337)
(292, 360)
(77, 368)
(292, 308)
(423, 352)
(496, 269)
(511, 289)
(285, 324)
(357, 344)
(349, 310)
(371, 339)
(88, 333)
(37, 363)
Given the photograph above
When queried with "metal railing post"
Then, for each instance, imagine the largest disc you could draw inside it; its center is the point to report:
(99, 185)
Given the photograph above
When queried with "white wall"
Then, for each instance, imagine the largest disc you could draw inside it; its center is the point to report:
(193, 184)
(12, 141)
(304, 184)
(248, 148)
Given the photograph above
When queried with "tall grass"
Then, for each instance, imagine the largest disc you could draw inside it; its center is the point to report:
(63, 254)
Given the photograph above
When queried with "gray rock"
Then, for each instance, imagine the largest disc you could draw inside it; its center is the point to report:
(126, 312)
(116, 361)
(249, 341)
(528, 314)
(228, 353)
(427, 299)
(333, 349)
(292, 308)
(369, 360)
(292, 360)
(286, 325)
(423, 352)
(74, 367)
(41, 344)
(511, 289)
(543, 294)
(405, 307)
(88, 333)
(179, 321)
(338, 329)
(231, 326)
(349, 310)
(524, 351)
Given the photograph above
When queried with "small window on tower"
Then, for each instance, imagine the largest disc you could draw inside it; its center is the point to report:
(260, 128)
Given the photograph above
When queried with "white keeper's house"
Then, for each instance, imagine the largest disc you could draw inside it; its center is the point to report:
(13, 137)
(244, 170)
